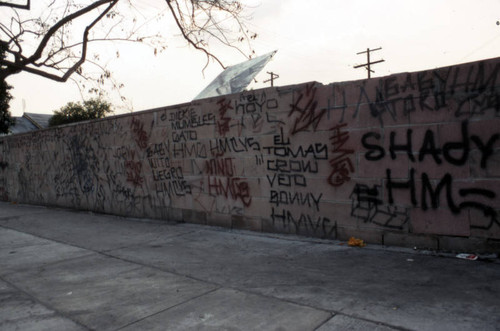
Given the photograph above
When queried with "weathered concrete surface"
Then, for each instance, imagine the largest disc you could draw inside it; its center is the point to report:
(20, 312)
(64, 270)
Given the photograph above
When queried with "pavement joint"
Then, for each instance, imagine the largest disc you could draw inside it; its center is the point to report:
(173, 272)
(38, 301)
(218, 286)
(170, 308)
(394, 327)
(200, 230)
(108, 254)
(249, 291)
(225, 275)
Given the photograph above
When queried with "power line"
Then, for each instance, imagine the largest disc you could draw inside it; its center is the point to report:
(368, 64)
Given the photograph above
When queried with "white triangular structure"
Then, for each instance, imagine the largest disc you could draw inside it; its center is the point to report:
(235, 78)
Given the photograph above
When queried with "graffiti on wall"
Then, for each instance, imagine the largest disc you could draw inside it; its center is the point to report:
(367, 205)
(453, 153)
(460, 91)
(382, 147)
(340, 160)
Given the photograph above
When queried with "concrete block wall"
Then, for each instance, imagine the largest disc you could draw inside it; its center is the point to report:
(411, 159)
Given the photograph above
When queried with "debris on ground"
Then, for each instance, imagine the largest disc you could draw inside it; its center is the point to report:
(465, 256)
(355, 242)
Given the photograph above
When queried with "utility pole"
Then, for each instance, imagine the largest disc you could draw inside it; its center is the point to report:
(273, 77)
(368, 64)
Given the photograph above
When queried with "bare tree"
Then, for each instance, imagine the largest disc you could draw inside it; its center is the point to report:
(55, 44)
(16, 5)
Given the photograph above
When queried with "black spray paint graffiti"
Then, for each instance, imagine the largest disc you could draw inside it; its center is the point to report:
(223, 120)
(433, 193)
(367, 205)
(221, 146)
(186, 118)
(455, 153)
(286, 180)
(304, 223)
(157, 155)
(480, 91)
(184, 135)
(186, 150)
(471, 88)
(171, 182)
(288, 167)
(252, 111)
(282, 197)
(254, 103)
(85, 163)
(282, 148)
(168, 180)
(287, 170)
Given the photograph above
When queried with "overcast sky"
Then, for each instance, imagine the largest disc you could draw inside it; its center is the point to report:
(316, 40)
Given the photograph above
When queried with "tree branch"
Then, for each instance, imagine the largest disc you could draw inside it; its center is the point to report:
(77, 65)
(58, 53)
(14, 5)
(38, 53)
(190, 41)
(23, 65)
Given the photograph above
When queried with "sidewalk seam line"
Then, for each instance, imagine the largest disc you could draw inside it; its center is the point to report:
(108, 253)
(172, 307)
(35, 299)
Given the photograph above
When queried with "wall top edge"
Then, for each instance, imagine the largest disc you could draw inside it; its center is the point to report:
(279, 89)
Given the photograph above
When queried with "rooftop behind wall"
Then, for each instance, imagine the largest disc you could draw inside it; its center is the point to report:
(411, 159)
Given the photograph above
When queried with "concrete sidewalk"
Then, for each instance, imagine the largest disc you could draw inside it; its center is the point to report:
(66, 270)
